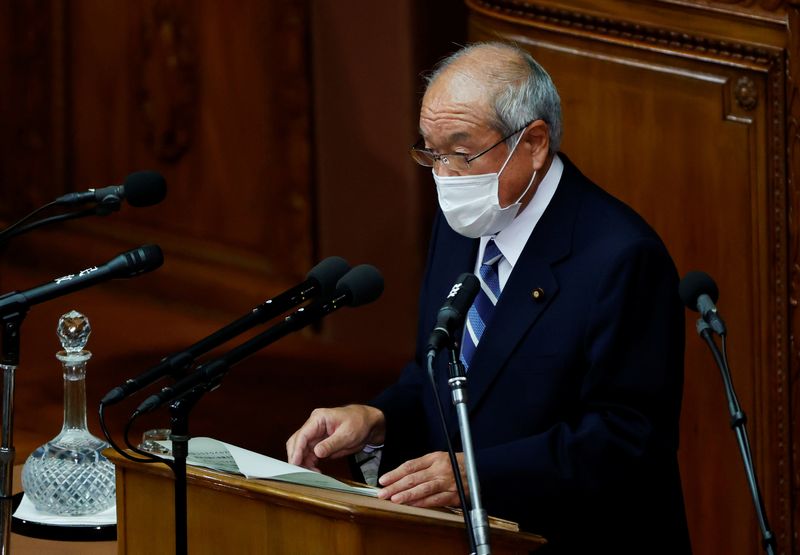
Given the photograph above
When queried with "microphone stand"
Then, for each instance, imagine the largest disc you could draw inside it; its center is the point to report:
(462, 497)
(179, 436)
(478, 515)
(738, 421)
(11, 323)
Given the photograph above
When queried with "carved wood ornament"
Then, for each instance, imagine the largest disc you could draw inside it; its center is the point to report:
(746, 93)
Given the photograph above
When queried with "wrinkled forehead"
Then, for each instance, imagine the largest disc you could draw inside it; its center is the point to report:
(457, 96)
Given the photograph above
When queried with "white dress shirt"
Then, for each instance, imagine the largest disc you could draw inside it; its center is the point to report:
(512, 239)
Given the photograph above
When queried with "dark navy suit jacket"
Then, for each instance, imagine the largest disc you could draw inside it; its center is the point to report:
(574, 398)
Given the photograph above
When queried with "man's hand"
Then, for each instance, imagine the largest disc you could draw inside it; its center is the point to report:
(424, 482)
(335, 433)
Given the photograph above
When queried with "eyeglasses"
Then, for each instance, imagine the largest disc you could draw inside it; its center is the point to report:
(456, 161)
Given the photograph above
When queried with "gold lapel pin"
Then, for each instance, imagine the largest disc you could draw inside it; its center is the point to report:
(537, 294)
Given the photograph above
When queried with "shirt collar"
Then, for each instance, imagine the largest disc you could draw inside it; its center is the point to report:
(512, 239)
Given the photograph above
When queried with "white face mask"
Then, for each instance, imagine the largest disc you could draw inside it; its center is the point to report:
(471, 205)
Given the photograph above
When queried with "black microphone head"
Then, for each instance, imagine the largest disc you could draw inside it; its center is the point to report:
(695, 284)
(328, 273)
(138, 261)
(362, 285)
(463, 293)
(451, 316)
(145, 188)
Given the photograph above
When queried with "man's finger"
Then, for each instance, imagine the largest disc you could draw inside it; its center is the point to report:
(408, 467)
(292, 450)
(311, 462)
(406, 483)
(313, 428)
(297, 450)
(325, 447)
(424, 488)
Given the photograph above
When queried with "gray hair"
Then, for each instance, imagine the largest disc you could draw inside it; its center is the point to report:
(522, 91)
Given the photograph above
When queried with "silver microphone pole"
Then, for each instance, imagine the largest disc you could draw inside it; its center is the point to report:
(477, 514)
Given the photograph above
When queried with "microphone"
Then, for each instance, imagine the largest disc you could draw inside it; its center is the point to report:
(449, 320)
(451, 316)
(699, 293)
(142, 188)
(320, 280)
(128, 264)
(361, 285)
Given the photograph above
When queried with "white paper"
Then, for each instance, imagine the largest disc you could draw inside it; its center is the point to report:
(218, 455)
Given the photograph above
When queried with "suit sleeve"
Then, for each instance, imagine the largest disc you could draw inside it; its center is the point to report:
(402, 402)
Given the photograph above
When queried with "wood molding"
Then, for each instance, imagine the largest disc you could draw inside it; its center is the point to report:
(777, 382)
(627, 33)
(770, 10)
(792, 119)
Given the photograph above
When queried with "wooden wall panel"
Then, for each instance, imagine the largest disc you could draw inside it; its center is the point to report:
(282, 128)
(31, 114)
(689, 130)
(640, 152)
(215, 96)
(369, 190)
(282, 133)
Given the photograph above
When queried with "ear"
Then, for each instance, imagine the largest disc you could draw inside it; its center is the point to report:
(537, 141)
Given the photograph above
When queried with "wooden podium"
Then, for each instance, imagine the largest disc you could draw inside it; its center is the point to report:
(229, 514)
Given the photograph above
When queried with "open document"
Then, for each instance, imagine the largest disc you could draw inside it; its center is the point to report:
(218, 455)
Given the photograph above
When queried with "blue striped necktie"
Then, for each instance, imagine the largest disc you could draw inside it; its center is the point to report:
(480, 313)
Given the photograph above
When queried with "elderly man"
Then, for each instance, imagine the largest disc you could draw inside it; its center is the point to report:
(573, 347)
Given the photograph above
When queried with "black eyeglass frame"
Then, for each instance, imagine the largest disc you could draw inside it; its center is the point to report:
(440, 157)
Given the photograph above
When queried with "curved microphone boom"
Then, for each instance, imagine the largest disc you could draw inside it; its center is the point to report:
(142, 188)
(361, 285)
(320, 280)
(699, 293)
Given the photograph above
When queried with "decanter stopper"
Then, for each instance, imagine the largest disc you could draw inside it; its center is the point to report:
(73, 330)
(69, 475)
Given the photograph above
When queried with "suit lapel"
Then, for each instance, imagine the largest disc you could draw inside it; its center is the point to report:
(518, 307)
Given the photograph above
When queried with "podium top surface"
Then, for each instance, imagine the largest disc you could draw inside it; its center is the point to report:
(357, 508)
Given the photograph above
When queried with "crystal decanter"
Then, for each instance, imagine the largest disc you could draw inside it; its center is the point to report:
(68, 475)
